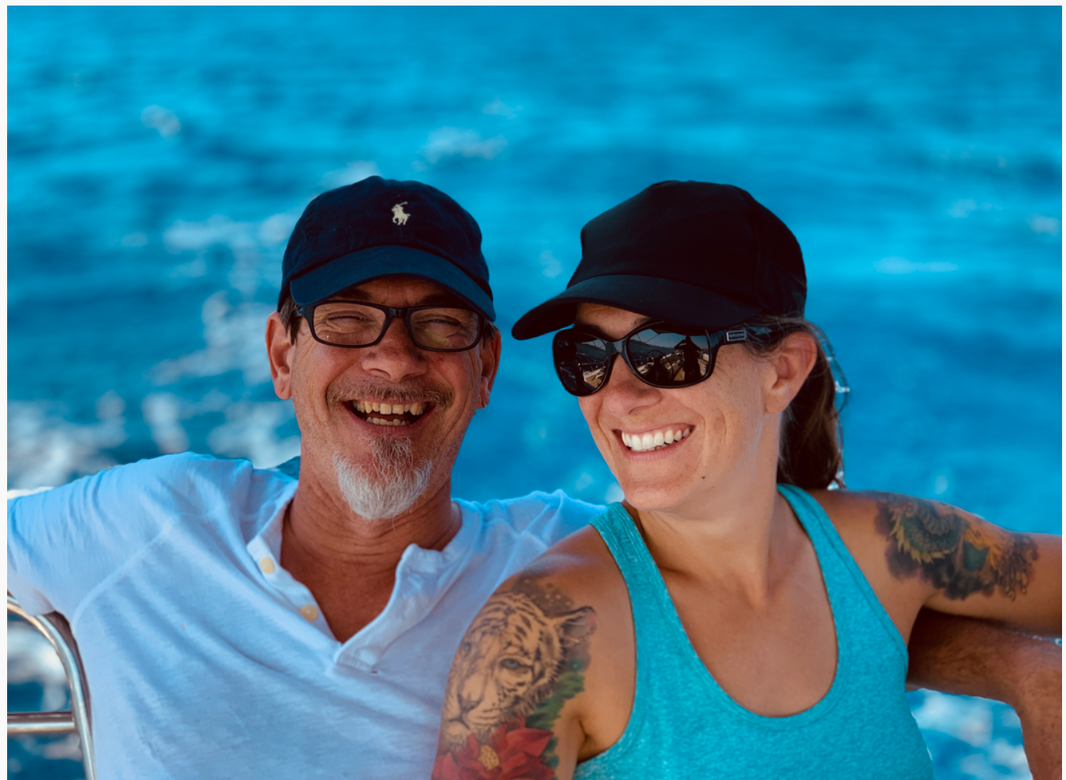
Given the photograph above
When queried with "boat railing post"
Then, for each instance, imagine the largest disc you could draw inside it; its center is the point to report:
(57, 631)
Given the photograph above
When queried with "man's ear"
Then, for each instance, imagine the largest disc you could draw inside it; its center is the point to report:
(490, 363)
(792, 362)
(281, 351)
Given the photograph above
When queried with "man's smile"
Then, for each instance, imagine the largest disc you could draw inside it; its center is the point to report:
(386, 412)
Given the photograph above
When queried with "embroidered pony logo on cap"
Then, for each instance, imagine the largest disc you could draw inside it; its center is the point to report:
(399, 217)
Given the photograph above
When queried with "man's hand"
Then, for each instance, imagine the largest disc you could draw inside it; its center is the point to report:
(976, 658)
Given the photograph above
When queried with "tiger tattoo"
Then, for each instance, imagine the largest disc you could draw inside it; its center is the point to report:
(508, 661)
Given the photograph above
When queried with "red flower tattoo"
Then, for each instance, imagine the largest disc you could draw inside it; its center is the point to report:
(512, 752)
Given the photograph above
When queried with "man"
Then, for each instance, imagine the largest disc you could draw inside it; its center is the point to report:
(236, 623)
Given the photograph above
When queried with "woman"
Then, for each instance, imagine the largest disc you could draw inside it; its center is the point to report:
(737, 615)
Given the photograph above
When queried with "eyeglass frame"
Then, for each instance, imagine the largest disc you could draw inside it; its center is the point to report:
(391, 312)
(738, 334)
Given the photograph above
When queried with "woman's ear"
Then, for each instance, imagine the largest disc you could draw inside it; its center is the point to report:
(792, 362)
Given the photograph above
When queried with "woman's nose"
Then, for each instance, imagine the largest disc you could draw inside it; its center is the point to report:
(624, 393)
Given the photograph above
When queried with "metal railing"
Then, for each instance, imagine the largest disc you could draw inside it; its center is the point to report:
(57, 631)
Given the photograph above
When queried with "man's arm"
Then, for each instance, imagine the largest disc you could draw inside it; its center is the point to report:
(977, 658)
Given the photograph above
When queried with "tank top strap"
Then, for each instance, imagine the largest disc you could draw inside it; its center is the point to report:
(839, 570)
(657, 626)
(646, 587)
(665, 657)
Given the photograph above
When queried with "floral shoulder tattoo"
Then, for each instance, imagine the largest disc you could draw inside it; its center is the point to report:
(520, 661)
(943, 545)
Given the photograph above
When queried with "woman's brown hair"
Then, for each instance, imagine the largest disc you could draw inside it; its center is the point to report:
(811, 455)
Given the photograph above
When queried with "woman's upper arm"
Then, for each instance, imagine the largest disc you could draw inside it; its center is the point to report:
(963, 564)
(1001, 575)
(513, 693)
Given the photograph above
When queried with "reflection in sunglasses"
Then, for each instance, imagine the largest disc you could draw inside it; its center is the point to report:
(593, 376)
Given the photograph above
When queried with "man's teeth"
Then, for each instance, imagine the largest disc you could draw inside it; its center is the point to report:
(370, 408)
(376, 406)
(645, 442)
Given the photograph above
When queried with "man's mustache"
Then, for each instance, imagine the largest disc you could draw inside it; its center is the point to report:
(404, 392)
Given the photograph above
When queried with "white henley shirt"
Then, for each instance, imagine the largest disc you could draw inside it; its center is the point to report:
(206, 659)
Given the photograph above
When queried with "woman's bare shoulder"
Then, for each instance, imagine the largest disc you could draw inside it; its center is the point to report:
(873, 523)
(889, 516)
(582, 566)
(856, 513)
(847, 505)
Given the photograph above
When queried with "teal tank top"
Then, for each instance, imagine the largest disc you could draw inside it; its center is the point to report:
(684, 725)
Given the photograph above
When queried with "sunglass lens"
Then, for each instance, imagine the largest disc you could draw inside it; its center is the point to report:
(580, 361)
(667, 358)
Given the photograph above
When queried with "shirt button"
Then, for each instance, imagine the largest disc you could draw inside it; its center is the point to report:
(309, 612)
(266, 566)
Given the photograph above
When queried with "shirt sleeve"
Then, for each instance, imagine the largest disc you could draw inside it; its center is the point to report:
(547, 517)
(63, 543)
(564, 515)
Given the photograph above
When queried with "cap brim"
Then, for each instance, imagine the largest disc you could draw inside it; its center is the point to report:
(665, 299)
(383, 261)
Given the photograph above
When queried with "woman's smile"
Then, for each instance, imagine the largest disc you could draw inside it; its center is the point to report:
(654, 439)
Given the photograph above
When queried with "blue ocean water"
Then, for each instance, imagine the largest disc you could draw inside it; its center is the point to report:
(158, 158)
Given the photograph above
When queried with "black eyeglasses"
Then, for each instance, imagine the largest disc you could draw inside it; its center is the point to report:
(659, 354)
(436, 328)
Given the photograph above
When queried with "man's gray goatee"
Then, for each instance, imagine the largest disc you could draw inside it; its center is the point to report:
(389, 486)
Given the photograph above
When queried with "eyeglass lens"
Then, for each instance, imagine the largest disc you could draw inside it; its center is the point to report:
(661, 357)
(357, 325)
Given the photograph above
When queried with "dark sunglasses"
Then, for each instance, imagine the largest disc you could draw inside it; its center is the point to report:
(659, 354)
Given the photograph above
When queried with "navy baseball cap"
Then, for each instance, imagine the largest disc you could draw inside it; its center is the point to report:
(691, 253)
(378, 228)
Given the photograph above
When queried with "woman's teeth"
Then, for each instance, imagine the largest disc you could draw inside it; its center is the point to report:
(646, 442)
(398, 414)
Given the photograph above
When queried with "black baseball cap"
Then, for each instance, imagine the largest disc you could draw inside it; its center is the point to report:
(378, 228)
(687, 252)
